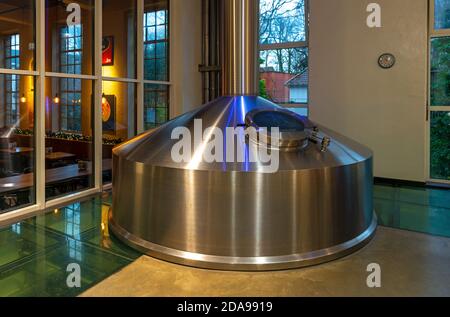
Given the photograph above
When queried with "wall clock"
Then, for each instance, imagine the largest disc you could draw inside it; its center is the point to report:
(386, 60)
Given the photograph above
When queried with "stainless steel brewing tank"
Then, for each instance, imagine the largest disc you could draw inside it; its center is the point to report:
(235, 216)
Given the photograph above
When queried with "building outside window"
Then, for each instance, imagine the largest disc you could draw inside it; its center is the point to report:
(284, 76)
(439, 101)
(12, 82)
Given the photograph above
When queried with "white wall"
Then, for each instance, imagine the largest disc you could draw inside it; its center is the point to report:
(384, 109)
(185, 56)
(298, 94)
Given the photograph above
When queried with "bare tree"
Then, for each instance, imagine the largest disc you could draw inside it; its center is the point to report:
(283, 21)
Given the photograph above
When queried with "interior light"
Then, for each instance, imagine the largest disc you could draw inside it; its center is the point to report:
(56, 100)
(23, 99)
(104, 101)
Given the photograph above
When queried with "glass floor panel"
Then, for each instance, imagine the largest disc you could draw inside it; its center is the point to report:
(35, 253)
(420, 209)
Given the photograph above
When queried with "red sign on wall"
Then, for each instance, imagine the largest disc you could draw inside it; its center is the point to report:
(108, 51)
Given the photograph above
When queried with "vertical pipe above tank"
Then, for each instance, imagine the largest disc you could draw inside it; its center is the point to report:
(211, 49)
(240, 47)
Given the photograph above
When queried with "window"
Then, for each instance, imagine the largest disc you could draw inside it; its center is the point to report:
(156, 42)
(62, 97)
(284, 74)
(70, 88)
(69, 97)
(12, 82)
(442, 14)
(119, 68)
(17, 112)
(155, 101)
(119, 36)
(439, 103)
(156, 53)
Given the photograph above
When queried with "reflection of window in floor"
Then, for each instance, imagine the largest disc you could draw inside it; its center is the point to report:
(17, 228)
(73, 229)
(73, 220)
(75, 250)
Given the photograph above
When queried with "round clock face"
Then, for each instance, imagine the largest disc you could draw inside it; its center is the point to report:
(386, 60)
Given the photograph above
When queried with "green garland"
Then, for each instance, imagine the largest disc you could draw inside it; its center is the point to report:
(70, 136)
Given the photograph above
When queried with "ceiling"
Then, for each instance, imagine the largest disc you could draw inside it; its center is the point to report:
(15, 14)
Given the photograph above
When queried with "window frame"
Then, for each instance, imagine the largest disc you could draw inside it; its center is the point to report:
(12, 94)
(293, 45)
(150, 87)
(41, 75)
(68, 122)
(433, 33)
(157, 41)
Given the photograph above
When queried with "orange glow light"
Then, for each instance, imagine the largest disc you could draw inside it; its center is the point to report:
(56, 100)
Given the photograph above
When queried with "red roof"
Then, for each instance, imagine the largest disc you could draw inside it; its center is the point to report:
(300, 80)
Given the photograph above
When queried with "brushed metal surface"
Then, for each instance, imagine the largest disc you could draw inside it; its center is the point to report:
(235, 215)
(240, 58)
(269, 263)
(154, 147)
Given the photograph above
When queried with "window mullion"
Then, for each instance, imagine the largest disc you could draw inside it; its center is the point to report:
(140, 67)
(98, 88)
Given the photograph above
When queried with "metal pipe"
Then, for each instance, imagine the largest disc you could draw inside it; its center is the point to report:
(205, 61)
(214, 57)
(211, 57)
(240, 55)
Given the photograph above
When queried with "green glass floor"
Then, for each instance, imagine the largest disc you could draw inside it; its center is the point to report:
(420, 209)
(34, 253)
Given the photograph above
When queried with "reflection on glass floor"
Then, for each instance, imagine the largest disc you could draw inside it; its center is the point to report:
(420, 209)
(34, 254)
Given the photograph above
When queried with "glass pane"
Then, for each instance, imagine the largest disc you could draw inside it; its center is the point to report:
(156, 40)
(118, 117)
(69, 31)
(282, 21)
(17, 142)
(442, 14)
(156, 105)
(440, 145)
(17, 34)
(119, 38)
(284, 75)
(68, 142)
(440, 71)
